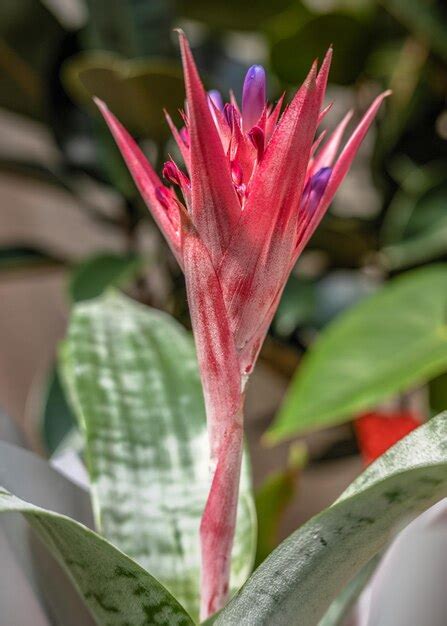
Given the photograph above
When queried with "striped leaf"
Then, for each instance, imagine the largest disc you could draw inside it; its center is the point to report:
(133, 380)
(116, 589)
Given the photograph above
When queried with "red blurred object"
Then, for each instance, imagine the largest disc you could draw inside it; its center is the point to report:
(378, 431)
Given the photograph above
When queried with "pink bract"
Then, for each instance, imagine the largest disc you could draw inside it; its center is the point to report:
(256, 185)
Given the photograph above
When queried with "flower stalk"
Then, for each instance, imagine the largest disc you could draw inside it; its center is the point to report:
(256, 184)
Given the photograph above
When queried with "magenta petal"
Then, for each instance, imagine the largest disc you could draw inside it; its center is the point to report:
(257, 137)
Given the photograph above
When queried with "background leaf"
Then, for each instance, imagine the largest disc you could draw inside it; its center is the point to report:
(273, 498)
(149, 84)
(56, 416)
(306, 572)
(115, 588)
(133, 380)
(92, 277)
(391, 340)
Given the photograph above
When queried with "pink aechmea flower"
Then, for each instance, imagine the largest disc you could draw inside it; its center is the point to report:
(255, 185)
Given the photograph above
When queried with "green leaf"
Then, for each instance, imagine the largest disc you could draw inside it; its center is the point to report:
(392, 340)
(273, 498)
(135, 388)
(93, 276)
(116, 589)
(136, 90)
(298, 581)
(57, 418)
(437, 393)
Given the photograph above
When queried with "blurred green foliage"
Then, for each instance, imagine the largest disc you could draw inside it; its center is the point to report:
(395, 214)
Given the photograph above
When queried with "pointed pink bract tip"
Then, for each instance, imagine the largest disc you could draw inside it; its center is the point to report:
(100, 103)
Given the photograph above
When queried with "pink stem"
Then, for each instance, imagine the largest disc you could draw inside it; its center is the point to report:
(218, 523)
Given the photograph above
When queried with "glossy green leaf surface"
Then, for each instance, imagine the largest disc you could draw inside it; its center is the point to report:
(134, 384)
(299, 580)
(116, 590)
(392, 340)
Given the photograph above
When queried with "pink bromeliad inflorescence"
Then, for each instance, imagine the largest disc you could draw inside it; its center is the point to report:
(256, 183)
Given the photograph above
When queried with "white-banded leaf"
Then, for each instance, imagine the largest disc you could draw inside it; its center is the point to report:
(133, 380)
(117, 590)
(298, 581)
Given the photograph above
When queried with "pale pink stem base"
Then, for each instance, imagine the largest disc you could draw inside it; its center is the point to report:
(218, 523)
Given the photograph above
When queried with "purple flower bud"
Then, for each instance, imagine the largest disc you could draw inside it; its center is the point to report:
(253, 96)
(216, 99)
(315, 188)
